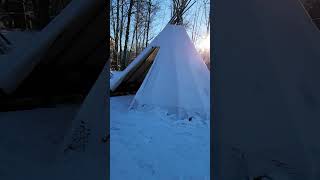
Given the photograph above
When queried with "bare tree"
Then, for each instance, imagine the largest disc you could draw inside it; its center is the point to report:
(41, 10)
(130, 26)
(124, 59)
(148, 22)
(180, 7)
(137, 25)
(116, 35)
(121, 30)
(206, 8)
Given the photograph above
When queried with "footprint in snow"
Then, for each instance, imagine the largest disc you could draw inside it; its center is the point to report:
(147, 139)
(115, 128)
(147, 166)
(184, 133)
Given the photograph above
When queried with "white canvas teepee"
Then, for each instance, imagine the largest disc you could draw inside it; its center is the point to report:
(178, 80)
(267, 90)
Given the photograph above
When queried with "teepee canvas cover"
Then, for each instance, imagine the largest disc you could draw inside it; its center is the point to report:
(266, 112)
(178, 79)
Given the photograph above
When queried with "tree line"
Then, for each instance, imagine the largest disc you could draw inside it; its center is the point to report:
(130, 23)
(29, 14)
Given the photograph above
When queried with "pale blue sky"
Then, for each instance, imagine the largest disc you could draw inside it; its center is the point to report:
(163, 17)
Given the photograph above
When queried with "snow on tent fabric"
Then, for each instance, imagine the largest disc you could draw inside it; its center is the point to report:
(178, 80)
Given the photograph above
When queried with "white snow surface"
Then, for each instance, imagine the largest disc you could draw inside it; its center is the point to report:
(30, 143)
(152, 145)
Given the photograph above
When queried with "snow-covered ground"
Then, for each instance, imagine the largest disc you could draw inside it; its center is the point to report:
(151, 145)
(30, 142)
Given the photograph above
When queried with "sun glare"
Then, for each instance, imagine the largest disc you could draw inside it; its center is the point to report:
(204, 44)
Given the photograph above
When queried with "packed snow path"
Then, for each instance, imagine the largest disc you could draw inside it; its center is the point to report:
(151, 145)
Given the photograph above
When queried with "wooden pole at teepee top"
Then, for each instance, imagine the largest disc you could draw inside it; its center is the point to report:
(179, 9)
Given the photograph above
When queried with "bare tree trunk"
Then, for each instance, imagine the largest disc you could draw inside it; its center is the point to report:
(44, 17)
(17, 18)
(194, 34)
(136, 39)
(116, 38)
(113, 23)
(121, 30)
(139, 43)
(148, 21)
(132, 40)
(124, 59)
(137, 25)
(41, 8)
(144, 34)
